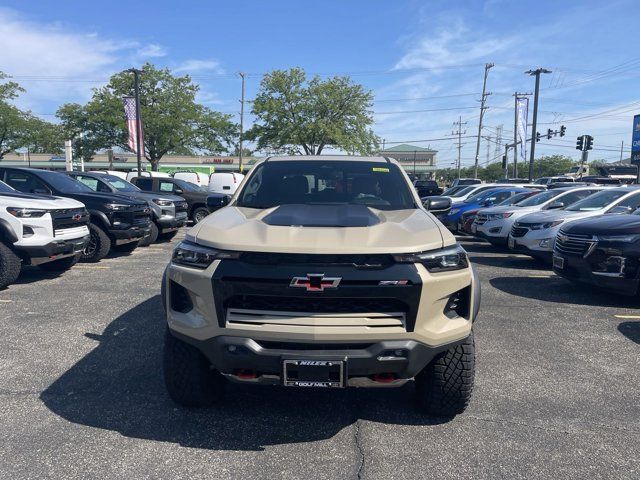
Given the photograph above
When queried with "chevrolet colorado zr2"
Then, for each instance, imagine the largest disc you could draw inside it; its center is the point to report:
(322, 271)
(49, 232)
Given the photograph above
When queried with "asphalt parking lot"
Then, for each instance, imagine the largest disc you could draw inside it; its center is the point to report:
(81, 393)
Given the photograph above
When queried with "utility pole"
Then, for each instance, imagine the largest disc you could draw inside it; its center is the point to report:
(498, 147)
(487, 67)
(459, 133)
(534, 126)
(136, 88)
(241, 122)
(488, 139)
(621, 149)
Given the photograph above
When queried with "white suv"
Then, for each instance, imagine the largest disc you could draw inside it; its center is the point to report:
(535, 234)
(41, 230)
(494, 223)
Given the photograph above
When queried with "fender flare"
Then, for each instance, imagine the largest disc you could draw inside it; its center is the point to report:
(103, 221)
(477, 293)
(7, 231)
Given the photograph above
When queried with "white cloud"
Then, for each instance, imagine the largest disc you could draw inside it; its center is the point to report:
(195, 66)
(150, 51)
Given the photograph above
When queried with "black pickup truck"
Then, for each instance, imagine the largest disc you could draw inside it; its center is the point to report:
(427, 188)
(115, 221)
(195, 197)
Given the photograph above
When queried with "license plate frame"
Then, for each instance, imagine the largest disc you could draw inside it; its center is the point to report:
(318, 373)
(558, 262)
(512, 243)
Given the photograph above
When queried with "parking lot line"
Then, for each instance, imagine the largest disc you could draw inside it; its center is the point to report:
(635, 317)
(540, 276)
(92, 267)
(6, 301)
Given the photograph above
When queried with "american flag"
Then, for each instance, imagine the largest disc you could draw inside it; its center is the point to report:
(130, 115)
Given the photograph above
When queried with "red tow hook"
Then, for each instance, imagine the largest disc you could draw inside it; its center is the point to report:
(243, 374)
(384, 377)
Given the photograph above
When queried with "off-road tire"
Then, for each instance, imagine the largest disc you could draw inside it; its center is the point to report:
(199, 214)
(61, 265)
(151, 238)
(190, 379)
(10, 266)
(127, 247)
(443, 387)
(98, 246)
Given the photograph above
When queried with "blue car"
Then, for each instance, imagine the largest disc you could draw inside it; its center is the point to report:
(486, 198)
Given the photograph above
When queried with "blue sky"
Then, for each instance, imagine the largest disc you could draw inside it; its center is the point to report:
(414, 56)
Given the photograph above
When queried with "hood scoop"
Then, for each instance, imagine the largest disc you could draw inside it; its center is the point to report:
(297, 215)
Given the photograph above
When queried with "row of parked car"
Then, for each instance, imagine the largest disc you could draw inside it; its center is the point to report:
(588, 233)
(53, 220)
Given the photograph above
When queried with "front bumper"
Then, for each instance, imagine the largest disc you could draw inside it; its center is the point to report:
(579, 269)
(38, 254)
(403, 359)
(256, 307)
(168, 224)
(132, 234)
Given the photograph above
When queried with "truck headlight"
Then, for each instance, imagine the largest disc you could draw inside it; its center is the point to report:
(162, 203)
(116, 206)
(442, 260)
(619, 238)
(26, 212)
(193, 255)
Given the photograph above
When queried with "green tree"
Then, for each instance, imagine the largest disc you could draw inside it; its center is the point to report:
(299, 116)
(173, 121)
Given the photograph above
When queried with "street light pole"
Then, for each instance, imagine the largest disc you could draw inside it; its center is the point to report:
(534, 126)
(241, 122)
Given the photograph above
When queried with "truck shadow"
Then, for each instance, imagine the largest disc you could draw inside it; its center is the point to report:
(515, 262)
(118, 386)
(558, 290)
(631, 330)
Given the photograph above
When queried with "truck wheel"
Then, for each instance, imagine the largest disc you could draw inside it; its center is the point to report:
(151, 238)
(189, 377)
(443, 387)
(61, 265)
(10, 266)
(98, 246)
(199, 214)
(127, 247)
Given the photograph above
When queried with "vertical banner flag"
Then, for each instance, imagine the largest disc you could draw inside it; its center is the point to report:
(523, 115)
(635, 141)
(132, 122)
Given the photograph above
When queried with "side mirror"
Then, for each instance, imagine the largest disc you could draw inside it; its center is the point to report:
(41, 191)
(621, 210)
(556, 204)
(178, 191)
(215, 201)
(437, 205)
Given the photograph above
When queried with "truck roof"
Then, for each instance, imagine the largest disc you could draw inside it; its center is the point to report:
(350, 158)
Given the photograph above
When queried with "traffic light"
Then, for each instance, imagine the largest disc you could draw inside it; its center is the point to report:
(563, 130)
(538, 136)
(580, 143)
(549, 133)
(504, 162)
(589, 144)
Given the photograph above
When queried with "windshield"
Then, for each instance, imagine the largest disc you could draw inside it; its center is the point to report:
(515, 199)
(316, 182)
(597, 201)
(462, 192)
(187, 186)
(4, 188)
(539, 198)
(63, 183)
(451, 190)
(426, 183)
(120, 184)
(481, 195)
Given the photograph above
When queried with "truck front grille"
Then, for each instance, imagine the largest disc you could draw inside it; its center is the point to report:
(67, 218)
(358, 261)
(481, 219)
(518, 232)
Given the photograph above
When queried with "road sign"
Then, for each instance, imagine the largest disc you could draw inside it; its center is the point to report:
(635, 141)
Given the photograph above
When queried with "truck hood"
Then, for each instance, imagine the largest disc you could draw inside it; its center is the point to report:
(92, 197)
(29, 200)
(146, 196)
(389, 231)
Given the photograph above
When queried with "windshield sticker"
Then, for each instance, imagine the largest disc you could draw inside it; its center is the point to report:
(380, 169)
